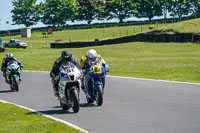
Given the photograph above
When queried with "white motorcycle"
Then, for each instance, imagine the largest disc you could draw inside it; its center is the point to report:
(69, 86)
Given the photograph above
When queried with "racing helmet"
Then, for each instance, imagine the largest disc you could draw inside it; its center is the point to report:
(66, 55)
(91, 54)
(9, 56)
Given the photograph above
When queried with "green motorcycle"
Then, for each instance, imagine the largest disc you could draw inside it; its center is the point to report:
(13, 74)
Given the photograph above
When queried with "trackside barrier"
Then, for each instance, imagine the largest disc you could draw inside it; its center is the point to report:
(143, 37)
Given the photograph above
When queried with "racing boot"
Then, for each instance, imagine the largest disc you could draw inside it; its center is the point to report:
(20, 78)
(83, 88)
(7, 80)
(55, 92)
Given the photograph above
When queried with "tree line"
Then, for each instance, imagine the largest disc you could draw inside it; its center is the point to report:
(58, 12)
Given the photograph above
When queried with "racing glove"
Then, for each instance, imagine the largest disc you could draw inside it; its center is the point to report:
(56, 78)
(107, 67)
(4, 69)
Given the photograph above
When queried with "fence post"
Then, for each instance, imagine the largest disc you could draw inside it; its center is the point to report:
(104, 32)
(47, 44)
(157, 24)
(134, 30)
(141, 28)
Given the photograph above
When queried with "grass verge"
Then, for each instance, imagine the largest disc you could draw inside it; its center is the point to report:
(17, 120)
(165, 61)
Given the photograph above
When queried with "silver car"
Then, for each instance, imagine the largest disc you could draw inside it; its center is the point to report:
(14, 43)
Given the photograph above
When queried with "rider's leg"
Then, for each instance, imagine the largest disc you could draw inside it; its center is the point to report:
(83, 81)
(55, 87)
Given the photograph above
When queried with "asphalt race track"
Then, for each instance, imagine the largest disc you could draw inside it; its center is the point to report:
(130, 105)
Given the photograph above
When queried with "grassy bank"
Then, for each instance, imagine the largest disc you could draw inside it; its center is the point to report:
(190, 26)
(17, 120)
(73, 35)
(166, 61)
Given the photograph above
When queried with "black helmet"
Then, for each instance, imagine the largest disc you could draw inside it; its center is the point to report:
(66, 55)
(9, 56)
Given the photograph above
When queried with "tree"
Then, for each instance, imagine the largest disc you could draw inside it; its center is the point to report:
(120, 9)
(196, 7)
(165, 4)
(57, 12)
(90, 10)
(149, 9)
(25, 12)
(180, 8)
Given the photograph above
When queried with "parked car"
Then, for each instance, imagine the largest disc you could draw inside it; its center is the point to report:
(14, 43)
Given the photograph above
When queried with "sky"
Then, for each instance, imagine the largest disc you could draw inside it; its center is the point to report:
(5, 16)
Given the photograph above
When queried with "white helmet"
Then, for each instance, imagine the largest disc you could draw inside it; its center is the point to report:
(91, 54)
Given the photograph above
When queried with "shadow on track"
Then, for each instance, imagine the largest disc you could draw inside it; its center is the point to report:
(85, 105)
(6, 91)
(51, 112)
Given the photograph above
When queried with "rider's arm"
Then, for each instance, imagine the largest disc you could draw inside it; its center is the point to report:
(53, 72)
(104, 63)
(3, 64)
(18, 62)
(101, 59)
(82, 61)
(55, 69)
(75, 62)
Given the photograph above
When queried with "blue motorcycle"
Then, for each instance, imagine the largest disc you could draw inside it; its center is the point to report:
(95, 82)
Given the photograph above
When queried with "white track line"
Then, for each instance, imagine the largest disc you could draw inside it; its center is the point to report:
(48, 116)
(167, 81)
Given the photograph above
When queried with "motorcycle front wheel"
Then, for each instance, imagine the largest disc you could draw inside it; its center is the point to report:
(75, 100)
(14, 83)
(98, 95)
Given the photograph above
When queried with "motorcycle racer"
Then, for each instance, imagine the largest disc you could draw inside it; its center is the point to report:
(66, 56)
(91, 55)
(9, 57)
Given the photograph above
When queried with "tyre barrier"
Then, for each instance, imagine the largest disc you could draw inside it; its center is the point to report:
(143, 37)
(2, 50)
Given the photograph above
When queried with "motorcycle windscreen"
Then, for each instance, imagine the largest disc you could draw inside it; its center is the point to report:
(64, 76)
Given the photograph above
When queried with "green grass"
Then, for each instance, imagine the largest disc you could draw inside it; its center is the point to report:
(38, 41)
(190, 26)
(166, 61)
(17, 120)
